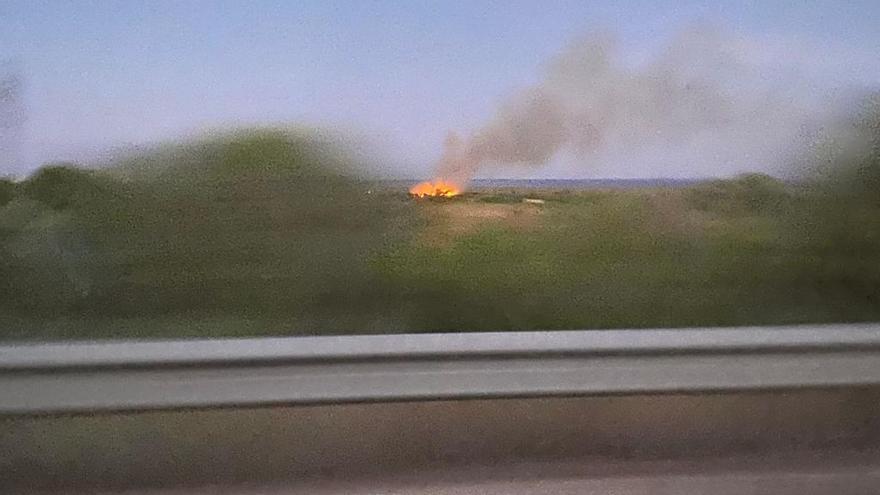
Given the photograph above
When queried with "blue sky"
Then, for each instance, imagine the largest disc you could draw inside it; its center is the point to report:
(102, 74)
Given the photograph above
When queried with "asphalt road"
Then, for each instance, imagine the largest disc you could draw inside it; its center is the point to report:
(744, 476)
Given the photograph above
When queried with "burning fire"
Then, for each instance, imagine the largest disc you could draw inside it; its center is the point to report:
(438, 189)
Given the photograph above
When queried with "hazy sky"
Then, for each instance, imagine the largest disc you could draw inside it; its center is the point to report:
(401, 73)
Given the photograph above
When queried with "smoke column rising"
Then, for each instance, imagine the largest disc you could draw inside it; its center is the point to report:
(11, 116)
(708, 101)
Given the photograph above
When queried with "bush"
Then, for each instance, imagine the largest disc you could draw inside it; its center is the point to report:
(60, 185)
(748, 193)
(854, 174)
(256, 223)
(7, 191)
(839, 218)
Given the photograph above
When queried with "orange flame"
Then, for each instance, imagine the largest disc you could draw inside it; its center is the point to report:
(439, 188)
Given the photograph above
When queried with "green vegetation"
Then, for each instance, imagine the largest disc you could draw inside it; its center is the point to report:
(257, 230)
(7, 191)
(643, 258)
(272, 233)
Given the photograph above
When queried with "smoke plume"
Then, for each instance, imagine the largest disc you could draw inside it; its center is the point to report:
(11, 116)
(709, 102)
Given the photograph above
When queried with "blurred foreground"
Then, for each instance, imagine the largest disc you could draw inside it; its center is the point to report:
(273, 233)
(797, 441)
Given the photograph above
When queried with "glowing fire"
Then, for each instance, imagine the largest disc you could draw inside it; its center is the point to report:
(438, 188)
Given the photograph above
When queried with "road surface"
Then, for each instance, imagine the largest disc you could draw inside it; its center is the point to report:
(838, 475)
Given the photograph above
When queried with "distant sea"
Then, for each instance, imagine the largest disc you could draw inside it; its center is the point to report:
(578, 184)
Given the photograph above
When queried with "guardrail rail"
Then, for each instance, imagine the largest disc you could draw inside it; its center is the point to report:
(143, 375)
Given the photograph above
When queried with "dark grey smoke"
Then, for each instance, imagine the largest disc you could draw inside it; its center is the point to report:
(710, 102)
(12, 116)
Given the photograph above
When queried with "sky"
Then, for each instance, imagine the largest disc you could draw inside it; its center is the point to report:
(101, 75)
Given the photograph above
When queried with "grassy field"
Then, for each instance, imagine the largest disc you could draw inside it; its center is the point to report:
(267, 233)
(727, 253)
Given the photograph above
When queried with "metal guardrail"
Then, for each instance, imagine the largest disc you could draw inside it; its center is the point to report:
(72, 377)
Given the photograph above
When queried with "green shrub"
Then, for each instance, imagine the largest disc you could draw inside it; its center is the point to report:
(7, 191)
(744, 194)
(60, 185)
